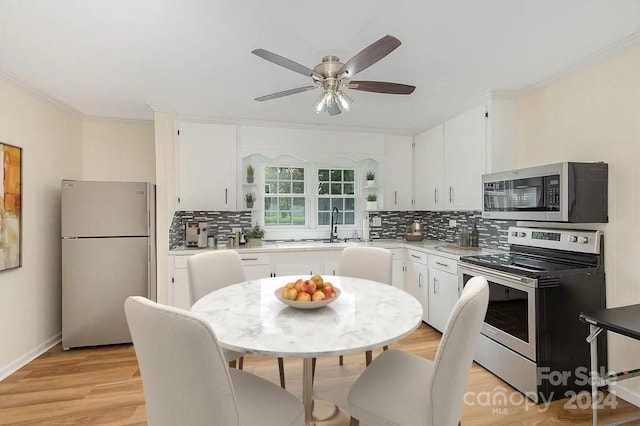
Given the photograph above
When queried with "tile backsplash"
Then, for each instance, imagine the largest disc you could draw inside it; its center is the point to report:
(435, 225)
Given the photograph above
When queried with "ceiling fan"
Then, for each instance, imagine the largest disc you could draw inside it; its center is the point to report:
(332, 76)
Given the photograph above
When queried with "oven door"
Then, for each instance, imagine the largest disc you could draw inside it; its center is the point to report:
(511, 314)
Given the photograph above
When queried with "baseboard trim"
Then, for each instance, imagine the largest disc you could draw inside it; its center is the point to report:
(26, 358)
(629, 390)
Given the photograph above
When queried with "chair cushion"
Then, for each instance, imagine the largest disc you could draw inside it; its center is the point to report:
(260, 402)
(391, 391)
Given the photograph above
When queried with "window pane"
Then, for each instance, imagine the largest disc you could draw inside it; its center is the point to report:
(336, 175)
(336, 188)
(284, 173)
(324, 218)
(285, 218)
(298, 188)
(323, 188)
(349, 175)
(270, 218)
(270, 203)
(284, 203)
(270, 187)
(270, 172)
(323, 175)
(298, 203)
(337, 202)
(284, 187)
(297, 173)
(298, 218)
(349, 217)
(324, 204)
(350, 204)
(349, 189)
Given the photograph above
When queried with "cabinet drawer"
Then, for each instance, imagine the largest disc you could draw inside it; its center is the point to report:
(254, 259)
(444, 264)
(417, 256)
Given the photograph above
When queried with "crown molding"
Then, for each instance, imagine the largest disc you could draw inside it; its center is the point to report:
(38, 93)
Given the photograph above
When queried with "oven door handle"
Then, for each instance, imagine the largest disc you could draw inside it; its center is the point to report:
(486, 271)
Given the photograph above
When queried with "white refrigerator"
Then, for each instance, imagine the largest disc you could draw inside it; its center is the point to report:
(108, 254)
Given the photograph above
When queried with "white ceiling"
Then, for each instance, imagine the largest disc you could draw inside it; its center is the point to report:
(112, 58)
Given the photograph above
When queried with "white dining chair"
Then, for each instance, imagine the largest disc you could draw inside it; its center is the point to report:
(185, 377)
(370, 263)
(213, 270)
(400, 388)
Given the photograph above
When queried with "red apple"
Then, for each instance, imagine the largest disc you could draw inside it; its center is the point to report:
(318, 295)
(309, 287)
(303, 296)
(329, 292)
(299, 283)
(289, 293)
(291, 285)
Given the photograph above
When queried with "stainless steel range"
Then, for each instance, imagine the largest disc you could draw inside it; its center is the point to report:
(532, 337)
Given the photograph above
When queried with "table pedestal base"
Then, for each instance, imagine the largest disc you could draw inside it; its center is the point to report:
(326, 413)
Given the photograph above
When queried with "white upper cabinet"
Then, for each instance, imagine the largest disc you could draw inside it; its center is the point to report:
(398, 173)
(428, 169)
(207, 166)
(464, 159)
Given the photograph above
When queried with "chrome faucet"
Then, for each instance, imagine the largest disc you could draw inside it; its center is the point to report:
(334, 225)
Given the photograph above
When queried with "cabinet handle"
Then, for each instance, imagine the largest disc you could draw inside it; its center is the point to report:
(436, 286)
(451, 194)
(249, 258)
(442, 264)
(435, 195)
(395, 195)
(226, 195)
(420, 280)
(415, 257)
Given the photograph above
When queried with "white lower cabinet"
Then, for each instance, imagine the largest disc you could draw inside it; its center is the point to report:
(443, 290)
(178, 294)
(256, 265)
(416, 279)
(397, 269)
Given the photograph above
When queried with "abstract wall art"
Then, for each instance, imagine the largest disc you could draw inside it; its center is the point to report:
(10, 207)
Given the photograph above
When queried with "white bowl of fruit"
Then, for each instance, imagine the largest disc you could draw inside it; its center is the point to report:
(311, 293)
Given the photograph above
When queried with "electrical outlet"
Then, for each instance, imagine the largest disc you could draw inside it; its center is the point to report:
(377, 221)
(452, 223)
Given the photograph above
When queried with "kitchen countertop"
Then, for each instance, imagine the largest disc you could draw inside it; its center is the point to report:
(441, 248)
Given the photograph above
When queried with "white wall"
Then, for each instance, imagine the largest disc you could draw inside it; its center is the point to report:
(119, 150)
(30, 297)
(595, 116)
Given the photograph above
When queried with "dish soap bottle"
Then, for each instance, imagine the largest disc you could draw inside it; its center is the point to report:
(474, 236)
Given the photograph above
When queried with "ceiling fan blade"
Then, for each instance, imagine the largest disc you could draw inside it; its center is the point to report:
(333, 108)
(381, 87)
(284, 62)
(369, 55)
(285, 93)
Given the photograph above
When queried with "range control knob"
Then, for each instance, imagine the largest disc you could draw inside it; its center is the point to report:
(583, 240)
(514, 233)
(522, 234)
(573, 238)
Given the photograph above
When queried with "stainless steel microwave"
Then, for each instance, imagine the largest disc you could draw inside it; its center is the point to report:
(562, 192)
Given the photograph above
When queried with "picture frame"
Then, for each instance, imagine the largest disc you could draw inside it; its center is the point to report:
(10, 206)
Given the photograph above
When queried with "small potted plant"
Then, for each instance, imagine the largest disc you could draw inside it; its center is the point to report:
(250, 197)
(372, 203)
(371, 178)
(255, 235)
(249, 173)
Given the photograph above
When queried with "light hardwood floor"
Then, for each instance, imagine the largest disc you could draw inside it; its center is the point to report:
(102, 386)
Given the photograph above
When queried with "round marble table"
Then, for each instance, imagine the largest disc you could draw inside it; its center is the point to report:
(248, 317)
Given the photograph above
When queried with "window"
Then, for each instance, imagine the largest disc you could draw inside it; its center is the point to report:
(336, 188)
(284, 196)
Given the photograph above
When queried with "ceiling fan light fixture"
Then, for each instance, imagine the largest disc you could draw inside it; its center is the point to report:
(320, 104)
(344, 101)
